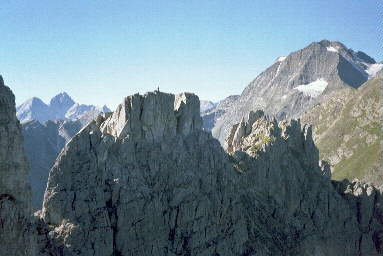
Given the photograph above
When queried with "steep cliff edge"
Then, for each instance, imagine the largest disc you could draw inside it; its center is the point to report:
(146, 180)
(15, 195)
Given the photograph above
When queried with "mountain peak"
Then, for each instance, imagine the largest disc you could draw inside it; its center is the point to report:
(60, 104)
(292, 84)
(105, 109)
(34, 101)
(62, 99)
(1, 81)
(154, 115)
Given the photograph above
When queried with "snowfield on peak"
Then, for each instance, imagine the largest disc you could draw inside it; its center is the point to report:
(373, 69)
(332, 49)
(313, 89)
(282, 58)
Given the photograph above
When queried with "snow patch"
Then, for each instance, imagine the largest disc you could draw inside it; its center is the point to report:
(313, 89)
(373, 69)
(282, 58)
(332, 49)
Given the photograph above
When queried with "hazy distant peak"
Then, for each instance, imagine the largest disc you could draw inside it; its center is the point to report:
(105, 109)
(62, 99)
(33, 101)
(206, 105)
(61, 107)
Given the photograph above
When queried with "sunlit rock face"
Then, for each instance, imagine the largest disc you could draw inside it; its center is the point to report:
(294, 84)
(147, 180)
(15, 195)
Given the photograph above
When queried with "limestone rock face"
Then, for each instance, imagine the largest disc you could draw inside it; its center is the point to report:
(147, 180)
(154, 116)
(15, 195)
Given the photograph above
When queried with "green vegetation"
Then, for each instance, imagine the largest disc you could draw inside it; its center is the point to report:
(343, 124)
(359, 164)
(260, 141)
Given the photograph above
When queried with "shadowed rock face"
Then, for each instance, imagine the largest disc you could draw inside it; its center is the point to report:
(278, 90)
(146, 180)
(42, 145)
(15, 195)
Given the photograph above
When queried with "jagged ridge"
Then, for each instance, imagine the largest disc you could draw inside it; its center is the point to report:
(147, 180)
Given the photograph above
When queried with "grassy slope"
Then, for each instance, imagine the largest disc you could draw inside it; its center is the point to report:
(343, 125)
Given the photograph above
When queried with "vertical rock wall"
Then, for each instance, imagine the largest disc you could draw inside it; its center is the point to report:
(15, 196)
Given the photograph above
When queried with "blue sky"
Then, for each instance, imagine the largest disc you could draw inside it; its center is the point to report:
(102, 50)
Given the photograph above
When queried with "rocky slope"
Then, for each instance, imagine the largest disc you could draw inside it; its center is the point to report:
(212, 115)
(42, 145)
(147, 180)
(295, 83)
(348, 131)
(61, 107)
(15, 194)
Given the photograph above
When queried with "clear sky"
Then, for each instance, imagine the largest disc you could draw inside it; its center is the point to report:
(99, 51)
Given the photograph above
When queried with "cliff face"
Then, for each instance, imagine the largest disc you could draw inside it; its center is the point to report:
(15, 195)
(146, 180)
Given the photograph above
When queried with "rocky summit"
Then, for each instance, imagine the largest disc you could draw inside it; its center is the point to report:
(147, 180)
(16, 233)
(294, 84)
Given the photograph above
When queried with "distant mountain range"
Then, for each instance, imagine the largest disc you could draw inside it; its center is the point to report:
(61, 107)
(294, 84)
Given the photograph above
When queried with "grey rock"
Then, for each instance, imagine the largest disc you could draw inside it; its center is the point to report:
(16, 234)
(147, 180)
(211, 116)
